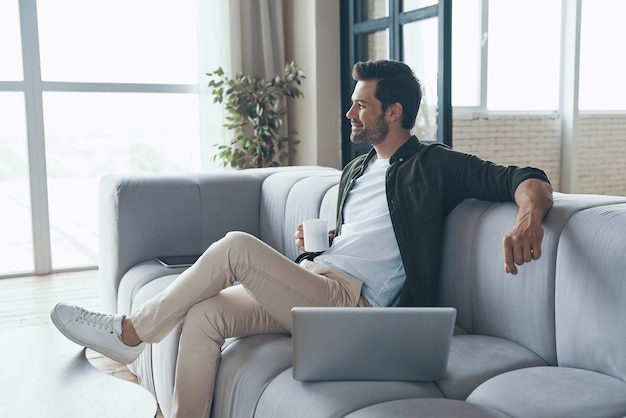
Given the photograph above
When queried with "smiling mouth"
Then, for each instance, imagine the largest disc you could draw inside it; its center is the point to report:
(356, 126)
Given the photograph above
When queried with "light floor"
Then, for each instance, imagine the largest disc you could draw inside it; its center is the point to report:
(27, 301)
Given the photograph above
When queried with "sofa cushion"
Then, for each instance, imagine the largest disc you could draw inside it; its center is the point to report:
(288, 198)
(287, 397)
(553, 392)
(136, 278)
(247, 366)
(591, 290)
(457, 262)
(491, 302)
(426, 408)
(476, 358)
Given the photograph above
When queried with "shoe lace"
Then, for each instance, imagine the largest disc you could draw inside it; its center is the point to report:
(96, 319)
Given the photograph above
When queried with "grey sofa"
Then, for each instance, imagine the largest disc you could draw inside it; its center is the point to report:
(549, 342)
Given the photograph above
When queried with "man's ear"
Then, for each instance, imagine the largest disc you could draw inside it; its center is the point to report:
(394, 111)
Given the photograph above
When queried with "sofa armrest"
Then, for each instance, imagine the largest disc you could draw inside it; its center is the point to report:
(145, 216)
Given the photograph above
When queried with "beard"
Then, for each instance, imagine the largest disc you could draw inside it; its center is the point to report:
(372, 135)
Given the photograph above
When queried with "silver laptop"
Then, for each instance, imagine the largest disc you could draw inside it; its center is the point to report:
(410, 344)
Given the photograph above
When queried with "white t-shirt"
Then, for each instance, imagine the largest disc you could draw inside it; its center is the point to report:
(367, 248)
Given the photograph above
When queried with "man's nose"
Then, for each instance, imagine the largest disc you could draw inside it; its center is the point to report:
(349, 112)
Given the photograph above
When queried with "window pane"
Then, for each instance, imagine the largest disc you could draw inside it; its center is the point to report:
(10, 42)
(16, 244)
(408, 5)
(602, 66)
(372, 46)
(524, 57)
(370, 9)
(421, 53)
(466, 46)
(92, 134)
(139, 41)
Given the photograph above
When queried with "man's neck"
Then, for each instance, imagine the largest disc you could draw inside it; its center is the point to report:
(391, 144)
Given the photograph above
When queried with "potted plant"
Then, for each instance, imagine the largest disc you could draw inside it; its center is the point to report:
(254, 111)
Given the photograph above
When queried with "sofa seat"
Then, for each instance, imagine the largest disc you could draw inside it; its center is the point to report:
(249, 365)
(476, 358)
(258, 368)
(427, 408)
(553, 392)
(286, 397)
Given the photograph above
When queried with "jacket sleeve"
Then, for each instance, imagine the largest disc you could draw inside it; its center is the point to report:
(472, 177)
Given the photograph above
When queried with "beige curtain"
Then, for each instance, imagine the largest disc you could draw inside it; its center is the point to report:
(239, 36)
(257, 37)
(257, 40)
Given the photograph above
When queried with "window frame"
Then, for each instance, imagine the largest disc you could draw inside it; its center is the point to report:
(481, 107)
(394, 23)
(33, 88)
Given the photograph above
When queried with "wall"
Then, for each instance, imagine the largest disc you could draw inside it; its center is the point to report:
(535, 140)
(312, 41)
(602, 154)
(511, 139)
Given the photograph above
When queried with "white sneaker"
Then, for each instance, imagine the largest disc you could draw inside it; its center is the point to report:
(100, 332)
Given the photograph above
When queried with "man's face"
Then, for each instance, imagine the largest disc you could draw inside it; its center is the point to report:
(366, 115)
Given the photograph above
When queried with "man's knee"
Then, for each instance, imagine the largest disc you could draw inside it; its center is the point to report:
(239, 238)
(205, 318)
(222, 248)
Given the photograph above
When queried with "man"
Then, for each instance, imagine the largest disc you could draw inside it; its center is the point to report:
(385, 248)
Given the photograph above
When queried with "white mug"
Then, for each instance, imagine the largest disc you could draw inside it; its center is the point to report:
(315, 235)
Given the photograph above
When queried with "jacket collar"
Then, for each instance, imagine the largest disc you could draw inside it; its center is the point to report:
(409, 148)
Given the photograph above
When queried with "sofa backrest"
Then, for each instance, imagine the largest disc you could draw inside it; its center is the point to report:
(591, 291)
(288, 198)
(488, 300)
(143, 216)
(476, 284)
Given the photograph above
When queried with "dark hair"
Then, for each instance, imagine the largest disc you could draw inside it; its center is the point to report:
(396, 84)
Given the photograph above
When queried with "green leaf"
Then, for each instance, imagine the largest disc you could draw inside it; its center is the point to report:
(251, 102)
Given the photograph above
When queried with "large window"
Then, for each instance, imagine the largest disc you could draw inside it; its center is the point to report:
(506, 55)
(523, 65)
(16, 244)
(602, 64)
(87, 89)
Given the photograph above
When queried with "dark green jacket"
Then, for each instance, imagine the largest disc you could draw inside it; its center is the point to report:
(424, 184)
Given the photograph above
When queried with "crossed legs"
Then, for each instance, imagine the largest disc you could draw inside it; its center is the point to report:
(213, 309)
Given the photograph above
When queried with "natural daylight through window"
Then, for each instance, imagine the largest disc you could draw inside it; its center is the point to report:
(114, 89)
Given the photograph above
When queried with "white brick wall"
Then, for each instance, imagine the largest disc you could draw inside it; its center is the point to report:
(536, 140)
(602, 154)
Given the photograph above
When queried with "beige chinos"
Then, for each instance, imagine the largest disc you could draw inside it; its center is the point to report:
(213, 309)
